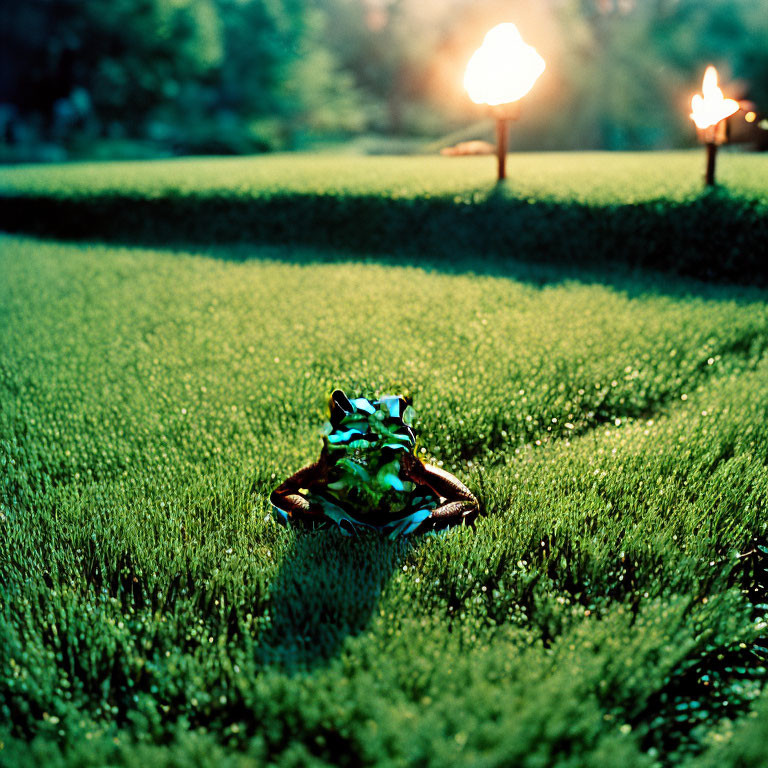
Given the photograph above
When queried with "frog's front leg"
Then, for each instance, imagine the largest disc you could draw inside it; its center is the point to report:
(289, 497)
(458, 503)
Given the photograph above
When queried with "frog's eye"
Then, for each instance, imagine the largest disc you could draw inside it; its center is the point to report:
(339, 406)
(393, 406)
(406, 406)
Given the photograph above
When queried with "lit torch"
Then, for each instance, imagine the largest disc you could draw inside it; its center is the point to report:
(501, 71)
(709, 110)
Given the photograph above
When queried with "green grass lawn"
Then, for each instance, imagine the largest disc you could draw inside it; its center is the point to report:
(632, 210)
(599, 178)
(599, 614)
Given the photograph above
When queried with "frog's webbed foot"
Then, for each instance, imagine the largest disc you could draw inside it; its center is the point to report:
(458, 504)
(449, 514)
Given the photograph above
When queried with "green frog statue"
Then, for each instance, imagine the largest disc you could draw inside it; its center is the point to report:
(369, 478)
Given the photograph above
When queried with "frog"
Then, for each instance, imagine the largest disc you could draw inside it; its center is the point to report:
(369, 478)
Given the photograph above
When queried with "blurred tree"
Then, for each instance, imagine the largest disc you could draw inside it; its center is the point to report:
(317, 95)
(629, 68)
(280, 74)
(123, 57)
(731, 33)
(616, 88)
(389, 45)
(245, 75)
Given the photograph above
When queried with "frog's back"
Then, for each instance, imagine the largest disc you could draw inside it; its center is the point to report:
(365, 441)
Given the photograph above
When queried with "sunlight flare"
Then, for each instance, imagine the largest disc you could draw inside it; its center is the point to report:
(503, 69)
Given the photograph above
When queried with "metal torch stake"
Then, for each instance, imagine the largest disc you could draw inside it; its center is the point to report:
(711, 157)
(502, 134)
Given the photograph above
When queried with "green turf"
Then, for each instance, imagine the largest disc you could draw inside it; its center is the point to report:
(631, 210)
(151, 612)
(586, 177)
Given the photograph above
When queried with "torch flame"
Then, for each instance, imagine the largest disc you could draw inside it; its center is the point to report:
(503, 69)
(712, 107)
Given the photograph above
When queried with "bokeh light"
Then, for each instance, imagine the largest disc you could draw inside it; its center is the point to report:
(503, 69)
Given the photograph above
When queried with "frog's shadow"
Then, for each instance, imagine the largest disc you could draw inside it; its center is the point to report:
(327, 589)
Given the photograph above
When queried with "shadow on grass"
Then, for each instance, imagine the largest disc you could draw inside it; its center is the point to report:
(327, 589)
(714, 237)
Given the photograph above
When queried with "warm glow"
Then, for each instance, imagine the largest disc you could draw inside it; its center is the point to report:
(503, 69)
(711, 107)
(750, 117)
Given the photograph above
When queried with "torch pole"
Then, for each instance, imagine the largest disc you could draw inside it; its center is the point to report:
(711, 157)
(501, 147)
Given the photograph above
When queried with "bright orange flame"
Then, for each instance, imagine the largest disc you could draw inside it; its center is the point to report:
(711, 107)
(503, 69)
